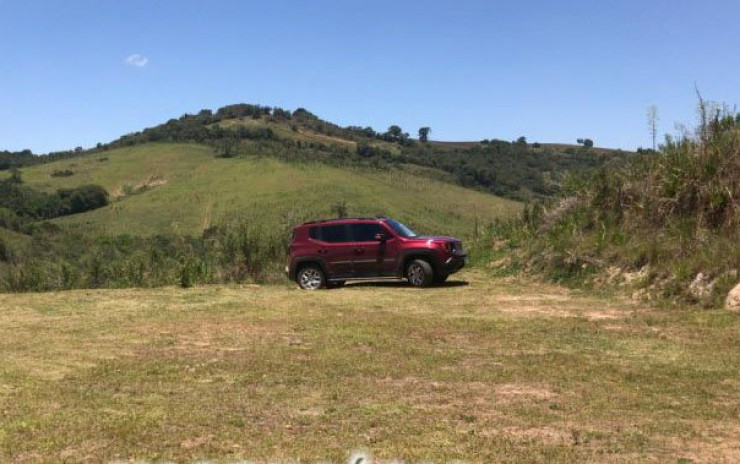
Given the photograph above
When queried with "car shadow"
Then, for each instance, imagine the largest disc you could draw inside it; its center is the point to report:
(400, 283)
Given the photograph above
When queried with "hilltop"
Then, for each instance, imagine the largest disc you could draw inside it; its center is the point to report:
(516, 169)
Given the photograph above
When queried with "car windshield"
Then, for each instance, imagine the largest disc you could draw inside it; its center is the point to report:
(401, 229)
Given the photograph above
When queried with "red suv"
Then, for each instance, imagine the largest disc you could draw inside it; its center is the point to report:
(327, 253)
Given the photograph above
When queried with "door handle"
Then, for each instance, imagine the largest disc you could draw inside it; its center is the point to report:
(359, 250)
(323, 251)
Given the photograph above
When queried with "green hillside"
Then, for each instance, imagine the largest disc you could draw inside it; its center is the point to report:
(213, 197)
(516, 169)
(159, 188)
(664, 226)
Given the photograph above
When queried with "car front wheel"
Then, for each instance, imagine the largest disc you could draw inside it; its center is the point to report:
(311, 277)
(419, 273)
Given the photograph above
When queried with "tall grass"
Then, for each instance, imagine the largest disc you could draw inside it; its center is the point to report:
(674, 214)
(241, 250)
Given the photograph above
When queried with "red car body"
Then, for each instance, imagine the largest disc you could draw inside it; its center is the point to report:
(337, 250)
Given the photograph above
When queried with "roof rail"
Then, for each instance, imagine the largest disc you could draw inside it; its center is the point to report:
(345, 219)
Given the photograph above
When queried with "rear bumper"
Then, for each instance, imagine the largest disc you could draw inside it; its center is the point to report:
(455, 263)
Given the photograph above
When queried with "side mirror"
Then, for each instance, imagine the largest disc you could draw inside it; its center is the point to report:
(380, 237)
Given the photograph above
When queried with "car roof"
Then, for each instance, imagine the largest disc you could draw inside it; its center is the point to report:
(340, 220)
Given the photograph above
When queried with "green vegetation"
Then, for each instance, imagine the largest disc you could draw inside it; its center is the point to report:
(511, 169)
(168, 188)
(199, 185)
(178, 215)
(10, 160)
(492, 371)
(665, 223)
(19, 203)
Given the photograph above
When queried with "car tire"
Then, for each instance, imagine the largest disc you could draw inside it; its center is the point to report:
(419, 273)
(311, 277)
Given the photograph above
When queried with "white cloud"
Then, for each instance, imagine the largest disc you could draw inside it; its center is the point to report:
(136, 60)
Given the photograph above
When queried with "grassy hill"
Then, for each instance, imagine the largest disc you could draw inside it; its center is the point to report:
(179, 213)
(516, 170)
(212, 197)
(159, 188)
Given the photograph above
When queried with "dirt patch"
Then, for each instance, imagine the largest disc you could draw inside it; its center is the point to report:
(220, 336)
(525, 391)
(598, 315)
(326, 138)
(485, 397)
(614, 328)
(134, 188)
(195, 442)
(715, 443)
(553, 306)
(540, 435)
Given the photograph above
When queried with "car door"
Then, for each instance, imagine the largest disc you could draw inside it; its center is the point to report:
(369, 253)
(332, 247)
(389, 265)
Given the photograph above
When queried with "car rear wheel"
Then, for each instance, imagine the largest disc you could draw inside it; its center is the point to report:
(311, 277)
(419, 273)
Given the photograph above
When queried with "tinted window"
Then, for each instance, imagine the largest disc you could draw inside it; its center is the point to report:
(366, 232)
(401, 229)
(332, 234)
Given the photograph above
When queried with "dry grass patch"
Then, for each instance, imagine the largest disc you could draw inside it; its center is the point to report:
(453, 372)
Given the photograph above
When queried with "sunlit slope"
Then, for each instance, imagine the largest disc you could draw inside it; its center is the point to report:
(163, 188)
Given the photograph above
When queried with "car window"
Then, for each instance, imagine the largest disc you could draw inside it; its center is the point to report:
(401, 229)
(365, 232)
(331, 234)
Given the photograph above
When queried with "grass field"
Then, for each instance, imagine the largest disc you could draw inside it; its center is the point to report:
(184, 189)
(480, 370)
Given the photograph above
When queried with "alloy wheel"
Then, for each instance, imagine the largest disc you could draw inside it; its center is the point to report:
(310, 278)
(416, 274)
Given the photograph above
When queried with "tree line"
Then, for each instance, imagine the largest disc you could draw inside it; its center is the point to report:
(21, 205)
(514, 169)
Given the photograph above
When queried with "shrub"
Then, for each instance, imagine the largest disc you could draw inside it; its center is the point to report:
(676, 211)
(85, 198)
(4, 251)
(62, 173)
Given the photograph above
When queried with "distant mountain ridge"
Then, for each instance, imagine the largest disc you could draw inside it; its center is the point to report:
(518, 170)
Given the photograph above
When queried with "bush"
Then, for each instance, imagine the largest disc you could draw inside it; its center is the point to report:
(85, 198)
(676, 211)
(62, 173)
(5, 253)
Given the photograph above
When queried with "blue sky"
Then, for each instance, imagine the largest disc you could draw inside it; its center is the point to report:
(552, 71)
